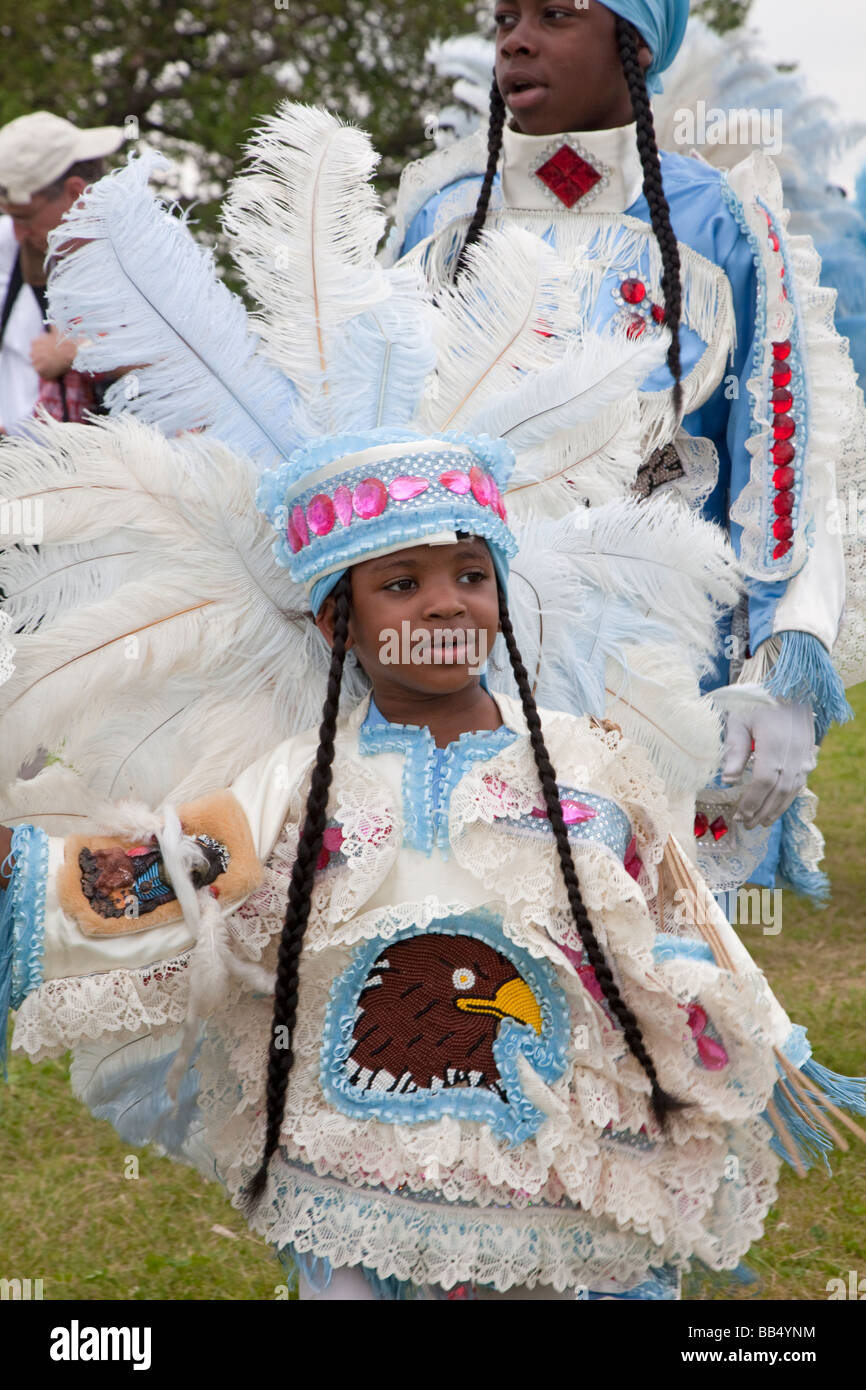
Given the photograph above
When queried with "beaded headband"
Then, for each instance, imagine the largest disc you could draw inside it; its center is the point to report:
(354, 497)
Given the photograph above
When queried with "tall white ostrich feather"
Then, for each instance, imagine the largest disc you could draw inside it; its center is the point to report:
(144, 294)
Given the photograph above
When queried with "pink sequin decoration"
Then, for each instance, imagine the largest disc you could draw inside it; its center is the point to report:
(712, 1054)
(588, 979)
(299, 523)
(697, 1020)
(480, 484)
(632, 861)
(455, 481)
(370, 498)
(320, 514)
(343, 504)
(295, 542)
(405, 487)
(333, 838)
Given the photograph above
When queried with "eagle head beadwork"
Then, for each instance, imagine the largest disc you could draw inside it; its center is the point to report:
(436, 1024)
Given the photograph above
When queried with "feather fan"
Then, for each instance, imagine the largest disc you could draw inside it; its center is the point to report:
(509, 314)
(144, 294)
(304, 223)
(593, 373)
(183, 666)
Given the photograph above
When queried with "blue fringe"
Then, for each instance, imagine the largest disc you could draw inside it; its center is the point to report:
(317, 1270)
(805, 673)
(812, 883)
(812, 1143)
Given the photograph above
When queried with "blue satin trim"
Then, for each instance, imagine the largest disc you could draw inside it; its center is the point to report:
(430, 774)
(22, 923)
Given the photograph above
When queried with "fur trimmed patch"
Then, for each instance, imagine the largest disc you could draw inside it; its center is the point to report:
(218, 819)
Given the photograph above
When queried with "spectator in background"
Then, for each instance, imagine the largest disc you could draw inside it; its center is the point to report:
(45, 165)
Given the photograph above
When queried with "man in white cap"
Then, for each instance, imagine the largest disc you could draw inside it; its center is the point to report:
(45, 165)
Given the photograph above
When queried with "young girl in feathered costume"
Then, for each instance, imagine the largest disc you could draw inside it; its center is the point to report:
(433, 988)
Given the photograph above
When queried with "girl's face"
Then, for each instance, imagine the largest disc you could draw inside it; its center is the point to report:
(558, 66)
(424, 619)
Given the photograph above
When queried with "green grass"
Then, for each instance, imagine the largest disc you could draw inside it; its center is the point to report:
(70, 1216)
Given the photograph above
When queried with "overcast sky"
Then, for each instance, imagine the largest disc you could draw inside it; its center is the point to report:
(828, 40)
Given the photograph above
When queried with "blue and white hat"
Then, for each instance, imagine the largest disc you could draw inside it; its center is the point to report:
(352, 497)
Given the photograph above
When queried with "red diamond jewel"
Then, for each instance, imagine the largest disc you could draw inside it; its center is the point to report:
(632, 291)
(783, 530)
(719, 827)
(781, 350)
(782, 400)
(702, 825)
(782, 454)
(781, 549)
(658, 312)
(568, 176)
(783, 478)
(783, 427)
(783, 503)
(781, 376)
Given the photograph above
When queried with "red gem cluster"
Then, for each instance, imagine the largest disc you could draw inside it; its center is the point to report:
(568, 176)
(784, 427)
(370, 498)
(639, 311)
(718, 827)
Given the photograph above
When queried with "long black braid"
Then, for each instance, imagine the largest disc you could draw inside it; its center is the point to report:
(495, 127)
(629, 41)
(281, 1057)
(661, 1102)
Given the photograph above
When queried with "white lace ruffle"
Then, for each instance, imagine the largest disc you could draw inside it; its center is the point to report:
(61, 1013)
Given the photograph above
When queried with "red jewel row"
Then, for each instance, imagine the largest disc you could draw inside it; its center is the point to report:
(784, 429)
(719, 826)
(370, 498)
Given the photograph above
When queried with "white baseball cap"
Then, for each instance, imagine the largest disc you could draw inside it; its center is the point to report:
(35, 150)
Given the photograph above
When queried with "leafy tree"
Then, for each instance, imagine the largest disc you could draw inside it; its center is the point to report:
(723, 14)
(196, 77)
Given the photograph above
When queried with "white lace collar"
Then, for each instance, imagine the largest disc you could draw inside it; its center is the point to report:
(612, 154)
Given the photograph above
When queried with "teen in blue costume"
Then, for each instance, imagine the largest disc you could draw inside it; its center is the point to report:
(756, 405)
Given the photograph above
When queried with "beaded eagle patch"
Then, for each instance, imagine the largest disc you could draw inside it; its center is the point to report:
(433, 1023)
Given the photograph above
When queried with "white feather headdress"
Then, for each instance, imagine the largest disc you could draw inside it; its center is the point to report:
(159, 648)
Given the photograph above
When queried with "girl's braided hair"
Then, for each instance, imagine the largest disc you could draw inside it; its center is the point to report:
(628, 41)
(281, 1058)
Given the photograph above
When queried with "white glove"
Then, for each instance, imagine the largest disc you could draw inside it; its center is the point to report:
(785, 754)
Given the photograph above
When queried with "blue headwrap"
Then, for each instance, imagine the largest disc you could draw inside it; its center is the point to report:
(662, 23)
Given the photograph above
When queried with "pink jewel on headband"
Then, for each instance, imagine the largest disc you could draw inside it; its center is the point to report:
(370, 498)
(298, 535)
(480, 484)
(343, 504)
(496, 501)
(401, 489)
(455, 481)
(320, 514)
